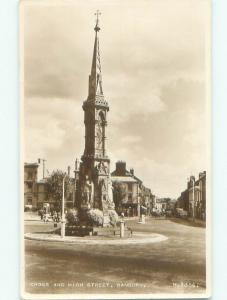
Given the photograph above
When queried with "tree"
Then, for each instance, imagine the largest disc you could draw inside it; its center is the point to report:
(54, 187)
(119, 193)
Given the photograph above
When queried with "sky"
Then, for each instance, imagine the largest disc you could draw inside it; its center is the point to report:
(155, 67)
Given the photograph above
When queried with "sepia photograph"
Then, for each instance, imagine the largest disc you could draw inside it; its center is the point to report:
(115, 149)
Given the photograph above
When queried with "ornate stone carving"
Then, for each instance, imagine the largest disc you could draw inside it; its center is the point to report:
(94, 177)
(87, 193)
(101, 169)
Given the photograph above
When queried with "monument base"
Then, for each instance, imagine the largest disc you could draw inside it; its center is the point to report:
(73, 230)
(106, 221)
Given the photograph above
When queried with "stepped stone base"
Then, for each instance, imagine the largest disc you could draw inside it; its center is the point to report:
(110, 231)
(96, 231)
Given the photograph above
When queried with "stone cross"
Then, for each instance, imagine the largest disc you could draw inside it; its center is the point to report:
(97, 14)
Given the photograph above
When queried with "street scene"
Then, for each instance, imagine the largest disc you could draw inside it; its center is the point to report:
(176, 265)
(116, 183)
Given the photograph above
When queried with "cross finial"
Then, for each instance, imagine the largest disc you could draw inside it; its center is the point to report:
(97, 14)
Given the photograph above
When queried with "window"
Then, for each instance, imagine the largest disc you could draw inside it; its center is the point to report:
(130, 187)
(29, 185)
(130, 197)
(29, 201)
(29, 175)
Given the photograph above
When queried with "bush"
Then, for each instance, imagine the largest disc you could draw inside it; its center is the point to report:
(72, 217)
(113, 217)
(95, 217)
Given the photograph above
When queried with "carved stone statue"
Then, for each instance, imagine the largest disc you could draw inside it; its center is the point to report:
(88, 191)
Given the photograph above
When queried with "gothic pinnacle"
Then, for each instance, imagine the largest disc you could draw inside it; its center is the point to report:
(97, 28)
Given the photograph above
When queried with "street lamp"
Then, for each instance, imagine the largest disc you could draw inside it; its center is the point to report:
(63, 208)
(138, 202)
(193, 198)
(43, 160)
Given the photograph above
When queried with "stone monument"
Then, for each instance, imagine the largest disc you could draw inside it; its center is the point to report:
(95, 187)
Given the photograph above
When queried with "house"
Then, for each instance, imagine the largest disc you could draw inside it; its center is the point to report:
(129, 193)
(30, 184)
(36, 192)
(193, 198)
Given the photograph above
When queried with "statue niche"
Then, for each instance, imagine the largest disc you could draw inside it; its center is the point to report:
(100, 134)
(87, 193)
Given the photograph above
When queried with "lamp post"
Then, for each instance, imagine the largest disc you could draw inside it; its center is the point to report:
(63, 208)
(43, 160)
(138, 202)
(193, 198)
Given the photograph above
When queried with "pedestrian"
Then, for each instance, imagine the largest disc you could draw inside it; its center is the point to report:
(58, 217)
(55, 216)
(41, 214)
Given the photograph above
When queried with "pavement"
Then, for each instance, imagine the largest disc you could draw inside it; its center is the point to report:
(137, 238)
(31, 216)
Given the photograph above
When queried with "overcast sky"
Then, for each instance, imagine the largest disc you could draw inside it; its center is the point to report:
(153, 56)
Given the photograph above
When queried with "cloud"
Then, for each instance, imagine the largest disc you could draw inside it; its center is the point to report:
(54, 130)
(154, 79)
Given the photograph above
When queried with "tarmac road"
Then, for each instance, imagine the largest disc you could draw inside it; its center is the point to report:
(176, 265)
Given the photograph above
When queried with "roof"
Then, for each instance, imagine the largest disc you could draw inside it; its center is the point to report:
(162, 200)
(30, 165)
(127, 174)
(42, 181)
(123, 179)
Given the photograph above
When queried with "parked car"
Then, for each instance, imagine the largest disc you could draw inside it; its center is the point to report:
(180, 213)
(157, 214)
(169, 213)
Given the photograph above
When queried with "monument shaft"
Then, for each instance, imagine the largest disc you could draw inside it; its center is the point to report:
(95, 187)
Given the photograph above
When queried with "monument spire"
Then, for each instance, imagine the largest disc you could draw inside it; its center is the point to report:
(95, 78)
(95, 187)
(97, 14)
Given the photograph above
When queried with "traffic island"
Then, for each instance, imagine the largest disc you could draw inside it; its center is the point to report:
(137, 238)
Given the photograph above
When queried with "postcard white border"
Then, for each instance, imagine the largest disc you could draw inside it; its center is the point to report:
(59, 296)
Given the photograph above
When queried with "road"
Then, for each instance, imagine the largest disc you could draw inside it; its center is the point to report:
(177, 265)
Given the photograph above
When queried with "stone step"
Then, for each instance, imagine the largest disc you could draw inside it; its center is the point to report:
(98, 231)
(110, 231)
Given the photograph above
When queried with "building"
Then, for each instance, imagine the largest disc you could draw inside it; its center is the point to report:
(162, 205)
(193, 198)
(197, 196)
(42, 194)
(36, 192)
(95, 189)
(183, 201)
(30, 184)
(125, 189)
(129, 193)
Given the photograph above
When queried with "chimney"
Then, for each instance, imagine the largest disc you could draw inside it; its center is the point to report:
(201, 174)
(69, 171)
(120, 168)
(76, 165)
